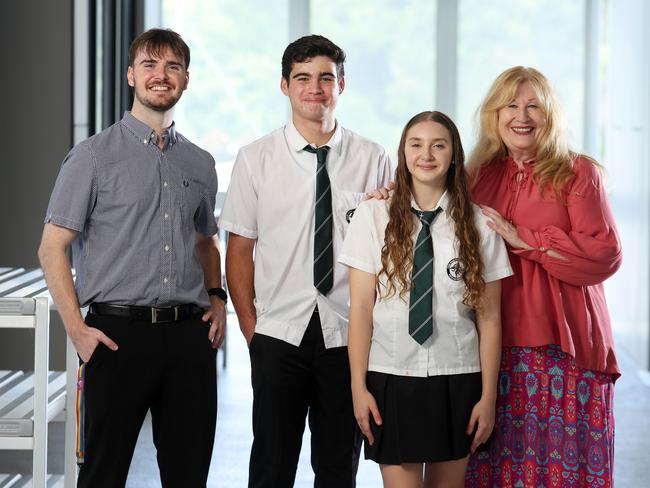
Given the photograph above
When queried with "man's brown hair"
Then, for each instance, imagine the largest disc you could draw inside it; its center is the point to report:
(155, 41)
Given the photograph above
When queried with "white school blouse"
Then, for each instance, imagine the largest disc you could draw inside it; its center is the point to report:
(453, 347)
(271, 199)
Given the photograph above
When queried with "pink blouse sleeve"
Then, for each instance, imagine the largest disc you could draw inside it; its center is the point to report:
(592, 247)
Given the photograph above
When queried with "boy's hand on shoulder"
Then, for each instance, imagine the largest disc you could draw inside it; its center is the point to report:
(380, 193)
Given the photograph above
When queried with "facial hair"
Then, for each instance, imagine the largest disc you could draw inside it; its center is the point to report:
(162, 106)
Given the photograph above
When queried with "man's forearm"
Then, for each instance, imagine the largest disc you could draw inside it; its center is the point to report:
(208, 252)
(58, 276)
(240, 271)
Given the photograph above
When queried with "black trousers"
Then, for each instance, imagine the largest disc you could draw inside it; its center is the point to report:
(169, 369)
(289, 384)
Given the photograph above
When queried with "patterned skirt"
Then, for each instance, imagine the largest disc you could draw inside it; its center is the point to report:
(554, 425)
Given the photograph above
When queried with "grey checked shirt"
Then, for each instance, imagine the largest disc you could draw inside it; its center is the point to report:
(137, 210)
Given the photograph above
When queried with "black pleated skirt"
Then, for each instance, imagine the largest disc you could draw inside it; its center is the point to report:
(424, 419)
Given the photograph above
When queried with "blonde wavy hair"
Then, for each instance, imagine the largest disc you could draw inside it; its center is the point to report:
(397, 253)
(553, 158)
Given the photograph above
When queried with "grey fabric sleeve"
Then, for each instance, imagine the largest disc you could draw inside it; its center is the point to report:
(204, 220)
(75, 190)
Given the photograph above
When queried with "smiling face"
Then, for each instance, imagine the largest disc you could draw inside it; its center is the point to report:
(313, 89)
(428, 153)
(521, 123)
(158, 82)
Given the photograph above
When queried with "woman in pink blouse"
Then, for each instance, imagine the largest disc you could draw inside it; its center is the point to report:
(554, 422)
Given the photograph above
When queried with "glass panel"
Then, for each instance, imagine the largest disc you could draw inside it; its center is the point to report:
(390, 67)
(234, 92)
(545, 34)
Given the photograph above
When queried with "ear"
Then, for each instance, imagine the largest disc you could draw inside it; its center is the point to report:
(129, 76)
(284, 86)
(187, 80)
(341, 85)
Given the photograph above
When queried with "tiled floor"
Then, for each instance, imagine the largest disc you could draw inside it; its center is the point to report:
(232, 445)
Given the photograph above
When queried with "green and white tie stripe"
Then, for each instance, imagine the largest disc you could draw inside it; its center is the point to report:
(421, 301)
(323, 252)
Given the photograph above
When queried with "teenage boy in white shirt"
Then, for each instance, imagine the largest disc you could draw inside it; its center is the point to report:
(287, 211)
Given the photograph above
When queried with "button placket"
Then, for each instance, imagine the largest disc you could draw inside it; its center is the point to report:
(166, 209)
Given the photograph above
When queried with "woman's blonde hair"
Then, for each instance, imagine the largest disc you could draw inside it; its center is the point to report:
(553, 159)
(397, 253)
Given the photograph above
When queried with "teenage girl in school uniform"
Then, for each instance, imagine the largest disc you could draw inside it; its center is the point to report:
(425, 324)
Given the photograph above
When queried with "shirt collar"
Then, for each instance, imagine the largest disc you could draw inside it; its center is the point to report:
(146, 134)
(442, 203)
(297, 142)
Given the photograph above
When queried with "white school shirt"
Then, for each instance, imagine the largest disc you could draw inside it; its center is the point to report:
(453, 347)
(271, 199)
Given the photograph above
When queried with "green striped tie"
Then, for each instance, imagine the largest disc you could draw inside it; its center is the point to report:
(421, 302)
(323, 253)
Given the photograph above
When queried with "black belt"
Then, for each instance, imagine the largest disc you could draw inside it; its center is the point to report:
(153, 315)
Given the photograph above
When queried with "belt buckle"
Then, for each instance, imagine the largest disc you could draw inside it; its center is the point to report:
(154, 315)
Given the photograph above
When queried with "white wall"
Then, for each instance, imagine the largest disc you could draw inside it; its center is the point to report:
(627, 158)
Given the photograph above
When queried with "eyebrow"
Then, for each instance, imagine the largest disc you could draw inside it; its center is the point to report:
(534, 99)
(323, 73)
(154, 60)
(435, 140)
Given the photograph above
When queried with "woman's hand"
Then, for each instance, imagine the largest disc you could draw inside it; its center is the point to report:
(483, 416)
(364, 406)
(504, 228)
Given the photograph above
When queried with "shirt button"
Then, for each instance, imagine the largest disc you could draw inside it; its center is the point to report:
(145, 141)
(165, 184)
(166, 216)
(542, 248)
(165, 279)
(166, 247)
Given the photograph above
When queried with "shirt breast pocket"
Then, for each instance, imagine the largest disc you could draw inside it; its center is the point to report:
(190, 193)
(344, 204)
(449, 274)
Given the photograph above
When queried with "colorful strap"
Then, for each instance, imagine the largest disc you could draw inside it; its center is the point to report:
(81, 413)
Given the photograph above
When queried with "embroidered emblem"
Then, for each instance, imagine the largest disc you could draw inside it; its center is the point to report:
(349, 214)
(454, 270)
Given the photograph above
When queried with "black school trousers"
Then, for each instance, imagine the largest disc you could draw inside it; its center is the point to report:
(167, 368)
(290, 384)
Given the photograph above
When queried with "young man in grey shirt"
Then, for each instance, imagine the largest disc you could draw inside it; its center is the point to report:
(136, 203)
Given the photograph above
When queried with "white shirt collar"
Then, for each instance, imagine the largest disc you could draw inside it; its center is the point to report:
(297, 142)
(442, 203)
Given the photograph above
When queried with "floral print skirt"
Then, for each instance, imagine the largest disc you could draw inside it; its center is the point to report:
(554, 424)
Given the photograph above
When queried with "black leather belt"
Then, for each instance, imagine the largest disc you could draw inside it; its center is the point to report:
(153, 315)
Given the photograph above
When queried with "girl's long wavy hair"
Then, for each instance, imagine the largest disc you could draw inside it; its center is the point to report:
(553, 159)
(397, 253)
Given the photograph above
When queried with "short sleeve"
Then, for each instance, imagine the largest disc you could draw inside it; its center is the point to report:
(75, 190)
(239, 214)
(496, 263)
(359, 248)
(385, 172)
(204, 221)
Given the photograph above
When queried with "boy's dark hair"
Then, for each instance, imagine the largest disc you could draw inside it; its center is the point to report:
(308, 47)
(155, 41)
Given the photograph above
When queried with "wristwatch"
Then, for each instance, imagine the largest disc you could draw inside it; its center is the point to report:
(218, 292)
